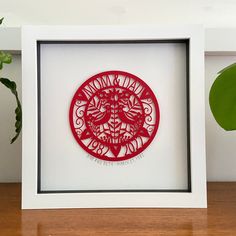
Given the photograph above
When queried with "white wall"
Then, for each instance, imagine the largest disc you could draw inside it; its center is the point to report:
(221, 158)
(211, 13)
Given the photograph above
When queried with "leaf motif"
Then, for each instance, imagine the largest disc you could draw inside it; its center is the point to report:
(133, 104)
(85, 135)
(1, 20)
(114, 124)
(93, 106)
(115, 149)
(143, 132)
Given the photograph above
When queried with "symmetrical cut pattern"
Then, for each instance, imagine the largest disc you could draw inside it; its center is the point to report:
(114, 115)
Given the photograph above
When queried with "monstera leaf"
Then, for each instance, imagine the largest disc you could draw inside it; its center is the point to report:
(223, 98)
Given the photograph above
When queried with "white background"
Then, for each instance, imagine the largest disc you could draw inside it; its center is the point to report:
(64, 164)
(220, 144)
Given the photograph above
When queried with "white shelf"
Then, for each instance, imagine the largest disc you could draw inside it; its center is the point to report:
(218, 41)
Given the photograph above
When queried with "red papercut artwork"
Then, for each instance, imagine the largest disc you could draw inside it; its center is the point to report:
(114, 115)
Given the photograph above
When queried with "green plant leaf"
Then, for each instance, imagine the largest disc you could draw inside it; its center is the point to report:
(1, 20)
(9, 84)
(222, 98)
(226, 68)
(5, 57)
(18, 111)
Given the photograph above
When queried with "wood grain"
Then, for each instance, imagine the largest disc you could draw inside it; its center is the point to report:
(218, 219)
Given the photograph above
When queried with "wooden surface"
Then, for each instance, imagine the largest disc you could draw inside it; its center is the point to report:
(218, 219)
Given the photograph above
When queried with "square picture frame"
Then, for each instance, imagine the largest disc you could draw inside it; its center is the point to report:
(36, 192)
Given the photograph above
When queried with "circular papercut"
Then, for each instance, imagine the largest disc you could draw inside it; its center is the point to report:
(114, 115)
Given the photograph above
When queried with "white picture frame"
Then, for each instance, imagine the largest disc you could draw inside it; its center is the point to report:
(195, 197)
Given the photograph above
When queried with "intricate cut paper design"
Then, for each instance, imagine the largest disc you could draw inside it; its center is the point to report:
(114, 115)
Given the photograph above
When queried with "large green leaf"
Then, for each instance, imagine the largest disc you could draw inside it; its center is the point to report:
(223, 98)
(18, 111)
(1, 20)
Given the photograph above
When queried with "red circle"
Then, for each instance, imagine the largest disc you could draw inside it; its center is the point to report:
(114, 116)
